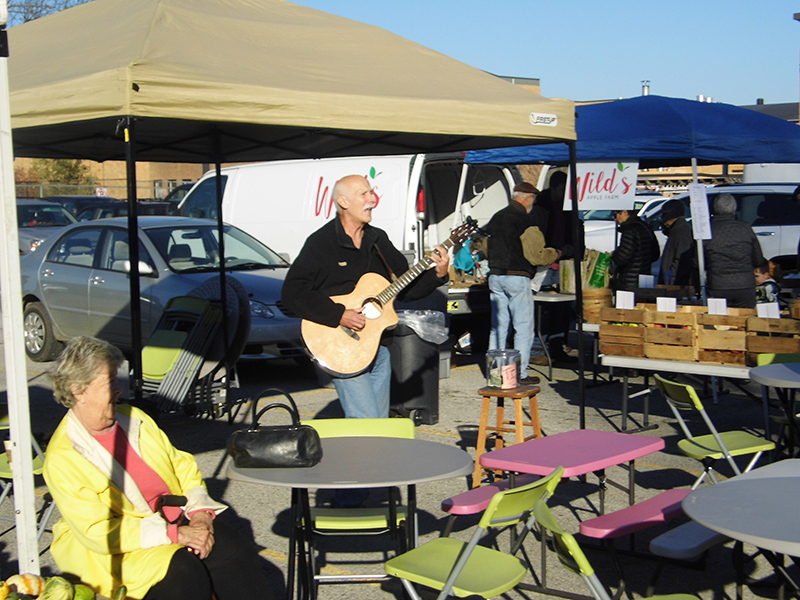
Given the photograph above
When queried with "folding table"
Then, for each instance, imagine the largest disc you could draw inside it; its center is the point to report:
(785, 378)
(538, 300)
(667, 366)
(580, 452)
(755, 508)
(355, 462)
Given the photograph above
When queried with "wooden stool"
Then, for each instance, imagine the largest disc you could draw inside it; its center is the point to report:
(518, 394)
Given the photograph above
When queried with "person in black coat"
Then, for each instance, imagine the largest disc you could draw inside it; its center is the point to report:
(679, 261)
(732, 254)
(637, 250)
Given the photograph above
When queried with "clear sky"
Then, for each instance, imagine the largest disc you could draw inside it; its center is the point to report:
(734, 51)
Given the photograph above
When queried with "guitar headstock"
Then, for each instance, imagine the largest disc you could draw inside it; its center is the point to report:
(466, 230)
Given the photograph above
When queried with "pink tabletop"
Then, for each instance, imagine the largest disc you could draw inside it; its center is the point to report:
(580, 452)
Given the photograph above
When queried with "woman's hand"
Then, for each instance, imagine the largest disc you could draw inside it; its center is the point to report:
(197, 538)
(202, 518)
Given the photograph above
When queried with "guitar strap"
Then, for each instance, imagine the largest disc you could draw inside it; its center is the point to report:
(392, 276)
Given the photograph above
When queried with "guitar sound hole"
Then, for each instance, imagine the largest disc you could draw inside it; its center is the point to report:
(371, 308)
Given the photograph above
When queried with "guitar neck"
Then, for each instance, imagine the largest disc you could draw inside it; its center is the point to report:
(401, 282)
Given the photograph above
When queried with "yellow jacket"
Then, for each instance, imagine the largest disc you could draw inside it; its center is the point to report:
(107, 534)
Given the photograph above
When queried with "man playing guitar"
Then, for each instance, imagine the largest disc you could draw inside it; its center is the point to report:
(331, 263)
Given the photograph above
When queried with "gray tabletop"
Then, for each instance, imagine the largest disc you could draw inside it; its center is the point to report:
(367, 462)
(757, 508)
(778, 375)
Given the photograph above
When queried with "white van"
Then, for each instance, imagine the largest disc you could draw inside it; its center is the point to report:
(420, 198)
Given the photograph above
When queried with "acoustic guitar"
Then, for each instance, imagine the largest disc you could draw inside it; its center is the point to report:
(342, 351)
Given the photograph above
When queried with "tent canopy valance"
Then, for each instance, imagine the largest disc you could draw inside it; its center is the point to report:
(271, 79)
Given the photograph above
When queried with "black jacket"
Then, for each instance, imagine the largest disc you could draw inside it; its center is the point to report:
(732, 253)
(637, 251)
(504, 246)
(330, 265)
(679, 261)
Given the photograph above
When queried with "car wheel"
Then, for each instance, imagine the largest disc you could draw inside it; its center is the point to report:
(41, 344)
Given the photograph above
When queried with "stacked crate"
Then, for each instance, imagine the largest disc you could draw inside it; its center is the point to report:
(622, 332)
(775, 336)
(669, 335)
(721, 339)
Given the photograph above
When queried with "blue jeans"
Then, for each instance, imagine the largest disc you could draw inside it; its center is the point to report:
(366, 396)
(512, 305)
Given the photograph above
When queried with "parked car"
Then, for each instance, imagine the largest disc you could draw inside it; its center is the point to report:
(76, 204)
(767, 207)
(37, 220)
(120, 209)
(77, 283)
(176, 194)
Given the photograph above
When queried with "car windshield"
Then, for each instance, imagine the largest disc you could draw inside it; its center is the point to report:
(598, 215)
(196, 249)
(43, 215)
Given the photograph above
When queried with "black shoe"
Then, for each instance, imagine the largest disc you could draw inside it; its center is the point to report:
(529, 380)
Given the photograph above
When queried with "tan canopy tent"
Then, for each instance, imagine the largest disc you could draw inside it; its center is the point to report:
(232, 81)
(274, 79)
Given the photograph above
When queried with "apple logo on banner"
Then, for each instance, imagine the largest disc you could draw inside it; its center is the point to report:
(544, 119)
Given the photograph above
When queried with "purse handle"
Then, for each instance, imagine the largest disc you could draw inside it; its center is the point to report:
(291, 408)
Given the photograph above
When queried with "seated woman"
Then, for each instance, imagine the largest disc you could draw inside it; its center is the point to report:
(109, 471)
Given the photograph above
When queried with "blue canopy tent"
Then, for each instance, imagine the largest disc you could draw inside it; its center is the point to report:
(658, 132)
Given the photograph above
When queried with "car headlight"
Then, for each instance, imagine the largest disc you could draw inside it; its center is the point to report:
(257, 309)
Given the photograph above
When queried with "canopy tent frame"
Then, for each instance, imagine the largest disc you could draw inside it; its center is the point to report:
(173, 73)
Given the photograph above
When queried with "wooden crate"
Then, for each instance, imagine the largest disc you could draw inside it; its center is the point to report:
(772, 335)
(721, 339)
(622, 332)
(669, 336)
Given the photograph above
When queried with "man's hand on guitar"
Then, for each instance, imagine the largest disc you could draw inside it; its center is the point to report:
(441, 260)
(353, 319)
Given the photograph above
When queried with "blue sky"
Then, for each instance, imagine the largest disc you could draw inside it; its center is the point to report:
(731, 50)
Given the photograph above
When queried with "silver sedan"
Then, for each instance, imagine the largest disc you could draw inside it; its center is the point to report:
(77, 282)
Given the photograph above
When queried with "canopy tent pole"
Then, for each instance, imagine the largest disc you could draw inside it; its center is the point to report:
(127, 123)
(13, 339)
(701, 260)
(223, 287)
(577, 238)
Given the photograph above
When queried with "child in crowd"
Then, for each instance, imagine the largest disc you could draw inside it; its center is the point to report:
(767, 289)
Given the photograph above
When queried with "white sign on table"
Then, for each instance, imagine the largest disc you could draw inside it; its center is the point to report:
(604, 186)
(625, 300)
(717, 306)
(664, 304)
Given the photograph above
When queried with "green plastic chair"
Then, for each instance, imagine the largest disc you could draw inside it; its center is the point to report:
(709, 448)
(467, 569)
(374, 519)
(7, 478)
(362, 520)
(571, 556)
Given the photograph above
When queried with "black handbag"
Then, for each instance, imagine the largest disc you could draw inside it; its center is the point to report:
(275, 446)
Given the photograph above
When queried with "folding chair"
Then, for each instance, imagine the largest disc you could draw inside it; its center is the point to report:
(363, 520)
(7, 479)
(465, 568)
(709, 448)
(571, 556)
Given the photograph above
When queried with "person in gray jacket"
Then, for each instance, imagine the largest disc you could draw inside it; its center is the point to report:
(731, 255)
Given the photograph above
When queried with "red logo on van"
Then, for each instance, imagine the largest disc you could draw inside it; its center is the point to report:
(325, 202)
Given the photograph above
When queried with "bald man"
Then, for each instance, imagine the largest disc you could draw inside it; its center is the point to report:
(331, 262)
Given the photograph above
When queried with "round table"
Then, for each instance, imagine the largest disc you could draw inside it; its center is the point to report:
(357, 462)
(756, 508)
(782, 377)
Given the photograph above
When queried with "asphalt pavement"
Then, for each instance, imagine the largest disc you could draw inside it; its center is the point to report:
(264, 512)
